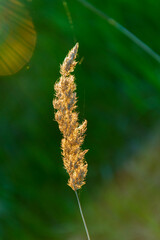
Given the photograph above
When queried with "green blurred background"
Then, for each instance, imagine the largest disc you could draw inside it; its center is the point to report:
(118, 88)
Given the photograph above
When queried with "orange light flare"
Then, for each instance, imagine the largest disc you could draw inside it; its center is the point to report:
(17, 36)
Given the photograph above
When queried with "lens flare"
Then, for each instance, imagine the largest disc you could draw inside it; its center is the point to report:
(17, 36)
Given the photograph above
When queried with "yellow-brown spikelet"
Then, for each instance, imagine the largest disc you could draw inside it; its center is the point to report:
(67, 118)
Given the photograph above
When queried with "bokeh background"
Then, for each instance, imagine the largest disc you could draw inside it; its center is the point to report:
(118, 88)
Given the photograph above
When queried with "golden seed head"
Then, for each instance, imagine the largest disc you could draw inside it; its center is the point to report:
(67, 118)
(69, 62)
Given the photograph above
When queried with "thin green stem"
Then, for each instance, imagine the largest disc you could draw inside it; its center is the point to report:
(122, 29)
(84, 222)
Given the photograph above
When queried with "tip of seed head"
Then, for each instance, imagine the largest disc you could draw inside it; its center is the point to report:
(69, 62)
(76, 46)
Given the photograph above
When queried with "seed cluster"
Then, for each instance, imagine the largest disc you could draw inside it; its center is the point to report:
(67, 118)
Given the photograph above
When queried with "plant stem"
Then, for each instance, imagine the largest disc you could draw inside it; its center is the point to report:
(84, 222)
(122, 29)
